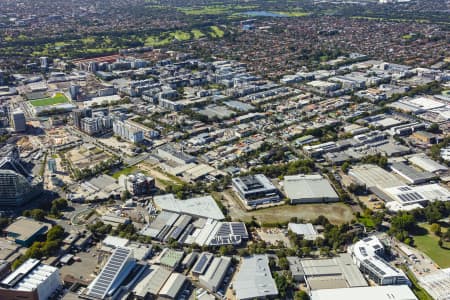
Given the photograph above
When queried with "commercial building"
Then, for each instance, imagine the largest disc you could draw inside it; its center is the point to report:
(256, 190)
(330, 273)
(427, 164)
(137, 184)
(17, 183)
(373, 176)
(254, 279)
(399, 292)
(410, 174)
(204, 207)
(118, 267)
(368, 256)
(412, 197)
(179, 156)
(18, 121)
(215, 273)
(31, 281)
(309, 189)
(25, 231)
(127, 131)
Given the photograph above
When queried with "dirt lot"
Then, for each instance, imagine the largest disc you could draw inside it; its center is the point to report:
(337, 213)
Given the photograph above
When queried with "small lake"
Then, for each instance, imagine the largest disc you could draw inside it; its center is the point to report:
(263, 13)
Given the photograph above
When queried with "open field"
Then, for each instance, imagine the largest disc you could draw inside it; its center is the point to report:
(126, 171)
(58, 98)
(216, 32)
(337, 213)
(428, 243)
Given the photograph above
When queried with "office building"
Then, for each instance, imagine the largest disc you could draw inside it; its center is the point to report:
(17, 184)
(18, 122)
(256, 190)
(128, 132)
(44, 62)
(79, 114)
(137, 184)
(368, 256)
(16, 190)
(51, 164)
(309, 189)
(254, 279)
(31, 281)
(399, 292)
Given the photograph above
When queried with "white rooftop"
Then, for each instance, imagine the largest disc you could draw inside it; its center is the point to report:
(205, 207)
(254, 279)
(308, 186)
(307, 230)
(386, 292)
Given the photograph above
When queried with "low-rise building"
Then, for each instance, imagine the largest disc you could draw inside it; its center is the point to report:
(254, 279)
(256, 189)
(309, 189)
(31, 281)
(25, 231)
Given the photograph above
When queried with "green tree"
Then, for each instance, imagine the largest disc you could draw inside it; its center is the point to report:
(301, 295)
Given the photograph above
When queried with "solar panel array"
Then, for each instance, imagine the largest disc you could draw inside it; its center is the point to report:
(410, 197)
(108, 274)
(230, 233)
(202, 263)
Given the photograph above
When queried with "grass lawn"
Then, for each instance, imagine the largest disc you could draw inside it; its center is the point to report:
(125, 171)
(216, 32)
(428, 244)
(57, 99)
(181, 35)
(197, 33)
(368, 222)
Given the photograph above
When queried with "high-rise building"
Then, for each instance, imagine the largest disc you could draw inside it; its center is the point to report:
(17, 185)
(74, 91)
(51, 163)
(16, 190)
(90, 126)
(44, 62)
(18, 121)
(80, 113)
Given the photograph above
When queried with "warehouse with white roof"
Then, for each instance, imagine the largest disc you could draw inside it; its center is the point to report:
(390, 292)
(309, 189)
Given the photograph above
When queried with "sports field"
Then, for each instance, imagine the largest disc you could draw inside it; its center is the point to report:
(58, 98)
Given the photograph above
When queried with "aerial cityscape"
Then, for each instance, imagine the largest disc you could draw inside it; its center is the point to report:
(239, 150)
